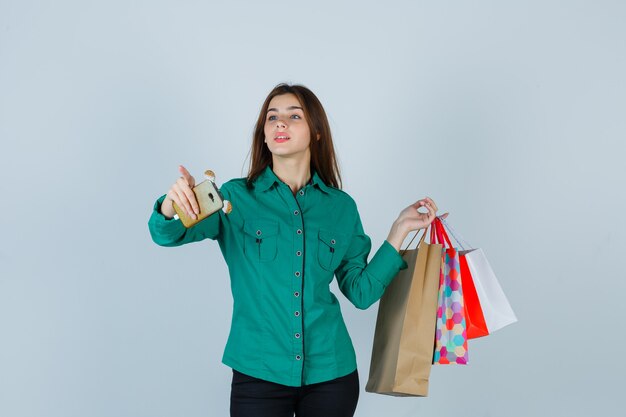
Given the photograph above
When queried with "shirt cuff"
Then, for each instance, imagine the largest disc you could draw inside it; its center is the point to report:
(386, 263)
(160, 226)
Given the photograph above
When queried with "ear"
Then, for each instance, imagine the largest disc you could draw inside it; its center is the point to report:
(318, 136)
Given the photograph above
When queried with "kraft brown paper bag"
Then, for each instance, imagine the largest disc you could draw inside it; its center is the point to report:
(405, 327)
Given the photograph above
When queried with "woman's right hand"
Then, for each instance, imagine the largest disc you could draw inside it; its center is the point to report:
(181, 193)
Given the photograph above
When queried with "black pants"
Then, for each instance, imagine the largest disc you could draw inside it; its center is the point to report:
(253, 397)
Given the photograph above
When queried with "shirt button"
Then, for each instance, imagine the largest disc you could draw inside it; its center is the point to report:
(297, 273)
(332, 241)
(301, 192)
(297, 314)
(297, 335)
(298, 357)
(296, 212)
(298, 253)
(258, 233)
(296, 294)
(299, 231)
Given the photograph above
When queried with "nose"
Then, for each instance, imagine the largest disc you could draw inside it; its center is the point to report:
(280, 123)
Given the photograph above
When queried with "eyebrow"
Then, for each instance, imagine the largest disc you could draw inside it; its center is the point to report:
(288, 108)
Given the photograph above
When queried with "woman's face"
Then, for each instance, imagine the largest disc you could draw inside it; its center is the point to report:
(287, 132)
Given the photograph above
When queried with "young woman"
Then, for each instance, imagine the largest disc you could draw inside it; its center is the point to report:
(291, 231)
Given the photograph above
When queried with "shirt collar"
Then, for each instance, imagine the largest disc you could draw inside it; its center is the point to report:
(267, 178)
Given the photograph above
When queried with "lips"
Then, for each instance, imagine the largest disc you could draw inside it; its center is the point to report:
(281, 137)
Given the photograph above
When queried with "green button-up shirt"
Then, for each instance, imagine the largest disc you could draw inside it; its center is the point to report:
(282, 252)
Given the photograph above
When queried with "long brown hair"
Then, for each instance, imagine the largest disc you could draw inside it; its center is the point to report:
(323, 159)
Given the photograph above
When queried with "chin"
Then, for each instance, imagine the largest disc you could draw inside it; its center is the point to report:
(286, 154)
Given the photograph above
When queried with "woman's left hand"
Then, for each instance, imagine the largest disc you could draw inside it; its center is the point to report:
(411, 219)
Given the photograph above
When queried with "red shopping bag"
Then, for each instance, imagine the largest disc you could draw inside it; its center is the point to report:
(475, 325)
(474, 317)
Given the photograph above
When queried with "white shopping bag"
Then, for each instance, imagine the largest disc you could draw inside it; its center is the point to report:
(495, 306)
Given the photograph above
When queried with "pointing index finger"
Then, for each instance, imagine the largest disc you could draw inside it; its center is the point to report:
(186, 175)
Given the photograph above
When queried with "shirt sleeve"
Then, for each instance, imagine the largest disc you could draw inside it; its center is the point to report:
(361, 282)
(172, 232)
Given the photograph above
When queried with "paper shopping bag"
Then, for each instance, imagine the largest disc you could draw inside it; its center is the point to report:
(493, 302)
(403, 340)
(450, 334)
(474, 317)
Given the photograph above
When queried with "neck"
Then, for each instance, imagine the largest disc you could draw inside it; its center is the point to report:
(296, 174)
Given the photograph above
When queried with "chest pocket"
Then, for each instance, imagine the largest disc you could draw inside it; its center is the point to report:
(331, 248)
(261, 239)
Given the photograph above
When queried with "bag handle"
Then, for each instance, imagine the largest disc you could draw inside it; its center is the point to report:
(442, 232)
(412, 239)
(440, 238)
(435, 234)
(456, 236)
(433, 239)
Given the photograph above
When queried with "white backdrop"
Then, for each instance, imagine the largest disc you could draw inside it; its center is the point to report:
(511, 115)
